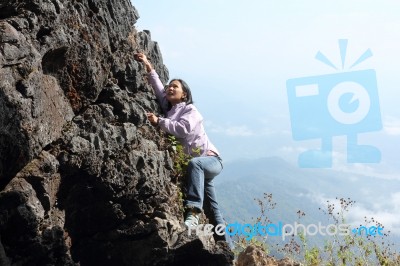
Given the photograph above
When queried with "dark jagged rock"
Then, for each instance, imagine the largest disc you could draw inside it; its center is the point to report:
(85, 179)
(256, 256)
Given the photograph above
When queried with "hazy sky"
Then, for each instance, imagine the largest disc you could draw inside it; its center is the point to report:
(237, 56)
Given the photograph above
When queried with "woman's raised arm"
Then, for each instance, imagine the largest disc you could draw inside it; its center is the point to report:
(154, 80)
(141, 57)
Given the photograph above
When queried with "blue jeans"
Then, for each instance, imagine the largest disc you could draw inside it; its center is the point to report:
(200, 183)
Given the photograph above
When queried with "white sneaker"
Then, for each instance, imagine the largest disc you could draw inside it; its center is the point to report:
(192, 219)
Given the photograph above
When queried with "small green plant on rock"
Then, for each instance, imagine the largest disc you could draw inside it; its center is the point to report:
(179, 157)
(181, 161)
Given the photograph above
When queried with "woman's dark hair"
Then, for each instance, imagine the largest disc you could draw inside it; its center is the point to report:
(186, 89)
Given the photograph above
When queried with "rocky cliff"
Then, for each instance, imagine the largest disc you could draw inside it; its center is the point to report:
(84, 178)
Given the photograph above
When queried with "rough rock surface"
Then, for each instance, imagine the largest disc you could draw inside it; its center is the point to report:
(84, 178)
(255, 256)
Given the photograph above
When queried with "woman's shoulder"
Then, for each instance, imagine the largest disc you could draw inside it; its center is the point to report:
(190, 106)
(184, 106)
(194, 112)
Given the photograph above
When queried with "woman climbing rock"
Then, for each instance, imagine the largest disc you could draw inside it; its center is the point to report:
(185, 122)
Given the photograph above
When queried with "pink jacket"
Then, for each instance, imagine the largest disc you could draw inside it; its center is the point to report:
(183, 121)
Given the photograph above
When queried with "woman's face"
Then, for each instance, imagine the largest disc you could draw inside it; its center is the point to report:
(175, 93)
